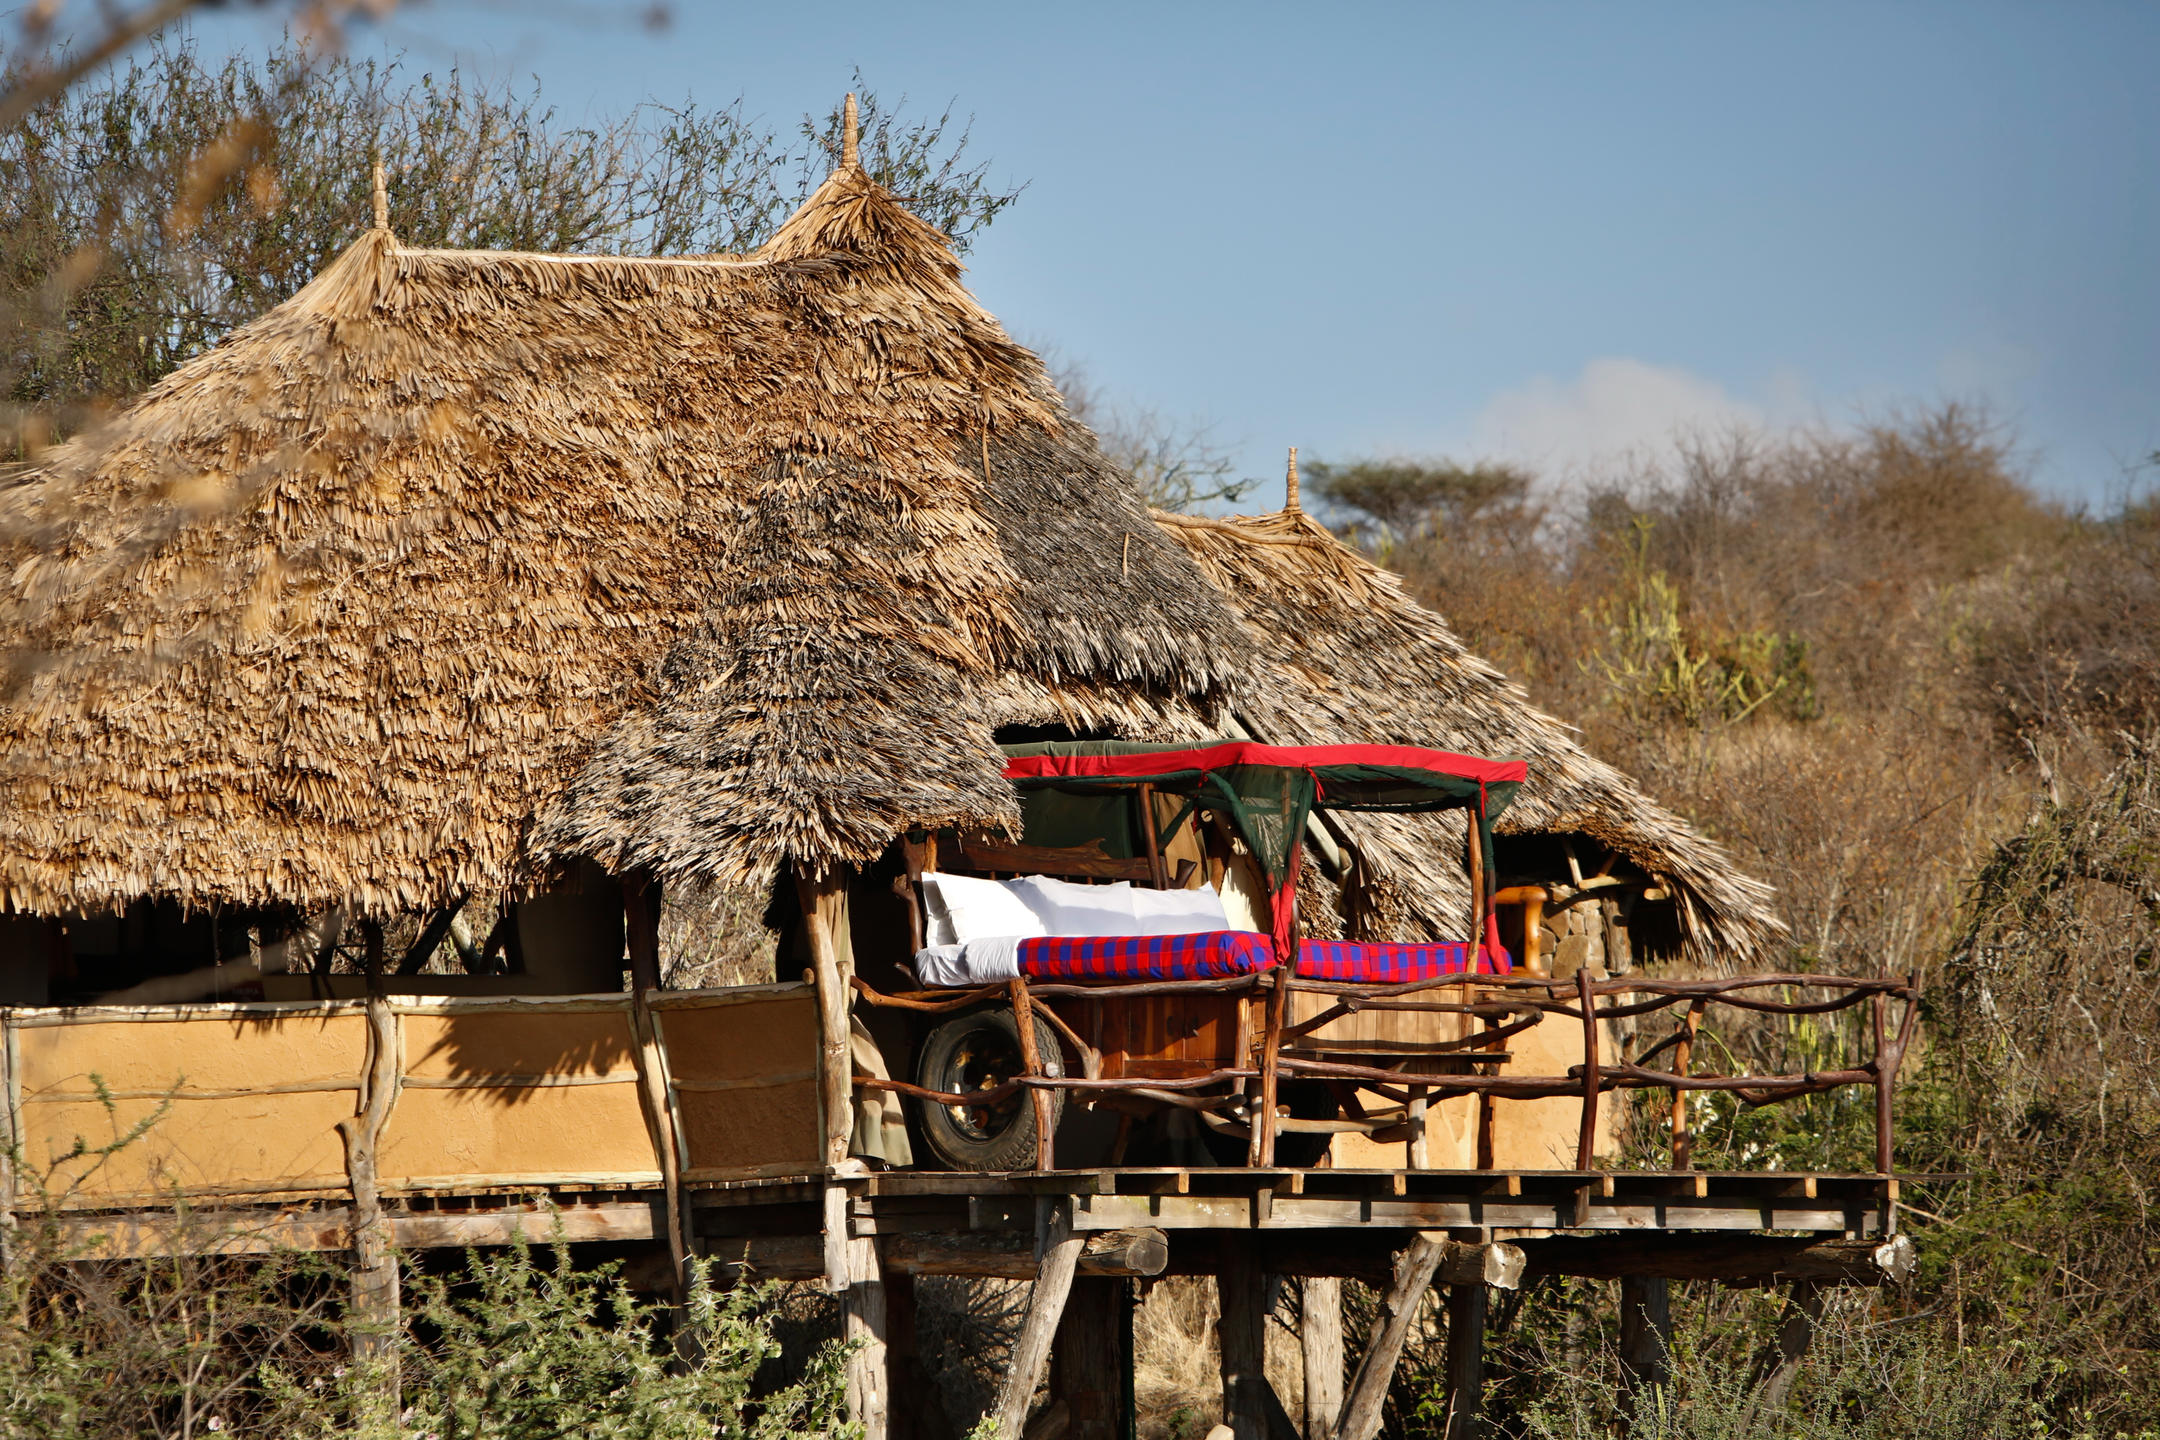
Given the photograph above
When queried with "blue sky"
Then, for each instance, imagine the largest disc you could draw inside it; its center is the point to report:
(1550, 232)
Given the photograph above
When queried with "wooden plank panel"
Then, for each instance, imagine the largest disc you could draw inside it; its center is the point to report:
(242, 1144)
(453, 1043)
(755, 1128)
(776, 1034)
(212, 1052)
(521, 1133)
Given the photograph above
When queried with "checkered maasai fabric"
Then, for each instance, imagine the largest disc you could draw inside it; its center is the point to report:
(1386, 963)
(1209, 955)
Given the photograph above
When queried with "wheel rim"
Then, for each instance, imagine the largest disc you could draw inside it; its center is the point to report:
(984, 1060)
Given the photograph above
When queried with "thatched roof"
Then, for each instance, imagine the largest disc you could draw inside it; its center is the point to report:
(458, 560)
(1342, 653)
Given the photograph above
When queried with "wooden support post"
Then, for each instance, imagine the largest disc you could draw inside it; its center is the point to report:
(1586, 1140)
(1645, 1333)
(910, 1397)
(1414, 1269)
(1158, 876)
(656, 1098)
(1243, 1290)
(1320, 1337)
(833, 1250)
(1032, 1062)
(1465, 1362)
(1884, 1079)
(1420, 1155)
(1261, 1151)
(821, 895)
(641, 928)
(1046, 1306)
(1088, 1360)
(1474, 864)
(375, 1298)
(1780, 1366)
(862, 1311)
(1683, 1144)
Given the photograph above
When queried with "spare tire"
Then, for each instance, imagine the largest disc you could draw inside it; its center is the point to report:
(980, 1050)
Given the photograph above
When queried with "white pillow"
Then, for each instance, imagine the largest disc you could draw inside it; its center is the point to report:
(1178, 912)
(963, 908)
(1073, 909)
(1120, 909)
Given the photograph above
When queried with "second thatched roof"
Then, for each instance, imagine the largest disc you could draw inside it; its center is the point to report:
(1343, 653)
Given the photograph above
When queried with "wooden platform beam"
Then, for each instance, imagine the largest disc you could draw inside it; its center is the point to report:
(1734, 1259)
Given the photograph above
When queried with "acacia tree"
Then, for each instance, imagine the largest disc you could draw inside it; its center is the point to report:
(148, 211)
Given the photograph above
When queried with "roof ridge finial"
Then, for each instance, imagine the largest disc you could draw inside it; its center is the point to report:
(1290, 495)
(847, 133)
(382, 199)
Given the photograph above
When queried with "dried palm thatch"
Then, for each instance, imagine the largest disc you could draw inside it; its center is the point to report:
(1343, 654)
(460, 560)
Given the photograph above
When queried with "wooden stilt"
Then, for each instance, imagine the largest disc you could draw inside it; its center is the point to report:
(1780, 1366)
(1320, 1337)
(822, 895)
(1414, 1269)
(1465, 1361)
(1645, 1331)
(1243, 1289)
(1087, 1360)
(375, 1297)
(910, 1399)
(1046, 1306)
(862, 1310)
(1586, 1140)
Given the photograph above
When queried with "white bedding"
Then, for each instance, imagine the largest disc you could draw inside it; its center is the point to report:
(975, 926)
(972, 962)
(963, 908)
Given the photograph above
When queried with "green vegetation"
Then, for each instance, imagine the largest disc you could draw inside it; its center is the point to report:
(148, 211)
(1923, 700)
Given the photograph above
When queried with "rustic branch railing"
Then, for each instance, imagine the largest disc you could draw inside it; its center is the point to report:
(1507, 1004)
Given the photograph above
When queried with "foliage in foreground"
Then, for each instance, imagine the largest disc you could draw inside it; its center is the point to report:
(515, 1344)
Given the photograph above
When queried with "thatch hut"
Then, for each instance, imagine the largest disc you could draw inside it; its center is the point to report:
(461, 566)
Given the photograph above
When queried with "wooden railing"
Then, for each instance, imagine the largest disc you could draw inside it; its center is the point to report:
(1504, 1006)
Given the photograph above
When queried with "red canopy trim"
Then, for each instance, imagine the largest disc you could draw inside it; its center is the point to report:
(1249, 752)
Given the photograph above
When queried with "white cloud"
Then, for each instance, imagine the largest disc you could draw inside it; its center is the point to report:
(1618, 410)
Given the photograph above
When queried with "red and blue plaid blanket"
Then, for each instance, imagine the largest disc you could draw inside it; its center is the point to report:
(1213, 954)
(1389, 963)
(1209, 955)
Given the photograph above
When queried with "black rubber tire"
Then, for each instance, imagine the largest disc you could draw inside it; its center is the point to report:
(975, 1051)
(1308, 1100)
